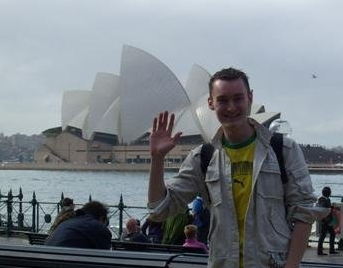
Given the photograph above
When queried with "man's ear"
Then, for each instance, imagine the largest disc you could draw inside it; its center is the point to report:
(251, 96)
(210, 103)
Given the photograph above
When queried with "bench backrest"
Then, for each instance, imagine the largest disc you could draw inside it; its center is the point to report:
(39, 239)
(14, 256)
(135, 246)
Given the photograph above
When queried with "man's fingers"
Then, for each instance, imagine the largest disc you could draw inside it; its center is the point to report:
(154, 125)
(165, 120)
(160, 120)
(171, 123)
(177, 137)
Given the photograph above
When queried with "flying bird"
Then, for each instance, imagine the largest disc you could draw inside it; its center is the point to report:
(314, 76)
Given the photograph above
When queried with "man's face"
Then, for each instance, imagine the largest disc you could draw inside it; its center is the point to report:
(231, 102)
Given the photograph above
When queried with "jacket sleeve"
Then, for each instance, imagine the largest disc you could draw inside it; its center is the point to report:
(299, 193)
(181, 189)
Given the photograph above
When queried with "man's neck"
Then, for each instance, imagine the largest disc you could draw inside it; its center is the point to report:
(238, 134)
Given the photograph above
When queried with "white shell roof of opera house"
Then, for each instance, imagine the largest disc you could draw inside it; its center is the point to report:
(125, 104)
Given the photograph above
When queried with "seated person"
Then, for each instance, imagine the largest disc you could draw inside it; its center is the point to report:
(86, 230)
(124, 233)
(191, 238)
(133, 233)
(153, 230)
(66, 213)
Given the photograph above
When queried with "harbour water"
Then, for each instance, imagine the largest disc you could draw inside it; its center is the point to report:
(106, 186)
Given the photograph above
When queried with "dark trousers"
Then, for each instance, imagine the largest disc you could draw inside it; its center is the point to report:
(325, 228)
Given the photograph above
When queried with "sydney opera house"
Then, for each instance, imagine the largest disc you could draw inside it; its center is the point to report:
(111, 122)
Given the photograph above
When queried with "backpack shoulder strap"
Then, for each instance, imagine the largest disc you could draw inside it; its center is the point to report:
(277, 144)
(206, 153)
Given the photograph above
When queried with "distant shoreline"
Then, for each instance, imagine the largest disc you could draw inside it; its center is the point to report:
(315, 169)
(81, 167)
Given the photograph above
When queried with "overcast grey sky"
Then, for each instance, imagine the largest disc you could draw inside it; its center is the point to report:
(49, 46)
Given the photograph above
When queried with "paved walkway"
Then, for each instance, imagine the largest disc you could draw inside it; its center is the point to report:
(14, 240)
(310, 254)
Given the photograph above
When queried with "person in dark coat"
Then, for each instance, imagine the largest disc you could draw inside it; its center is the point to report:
(153, 230)
(325, 224)
(86, 230)
(66, 213)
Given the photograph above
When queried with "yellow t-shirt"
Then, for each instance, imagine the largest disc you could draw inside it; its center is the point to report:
(242, 157)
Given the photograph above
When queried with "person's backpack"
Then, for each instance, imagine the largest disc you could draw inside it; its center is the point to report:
(276, 142)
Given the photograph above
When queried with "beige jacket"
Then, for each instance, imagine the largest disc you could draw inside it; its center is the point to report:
(267, 228)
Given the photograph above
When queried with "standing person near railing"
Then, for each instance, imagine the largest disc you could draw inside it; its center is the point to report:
(325, 225)
(256, 219)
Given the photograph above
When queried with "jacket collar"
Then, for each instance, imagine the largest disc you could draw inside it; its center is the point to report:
(262, 133)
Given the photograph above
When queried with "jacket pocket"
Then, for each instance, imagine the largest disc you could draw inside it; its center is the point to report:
(214, 190)
(269, 184)
(279, 223)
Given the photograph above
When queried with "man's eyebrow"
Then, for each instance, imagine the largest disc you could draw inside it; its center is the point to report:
(226, 97)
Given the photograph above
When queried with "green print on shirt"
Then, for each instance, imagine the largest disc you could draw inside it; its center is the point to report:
(239, 181)
(241, 168)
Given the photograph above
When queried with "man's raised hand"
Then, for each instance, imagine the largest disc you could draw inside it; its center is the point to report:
(161, 140)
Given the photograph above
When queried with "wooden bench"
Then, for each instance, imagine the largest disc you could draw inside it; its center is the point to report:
(135, 246)
(39, 239)
(14, 256)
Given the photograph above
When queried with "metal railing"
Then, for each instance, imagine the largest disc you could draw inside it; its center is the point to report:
(18, 215)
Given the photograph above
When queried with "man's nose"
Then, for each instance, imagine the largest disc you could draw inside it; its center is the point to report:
(231, 106)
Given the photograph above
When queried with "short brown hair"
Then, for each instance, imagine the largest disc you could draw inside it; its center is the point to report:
(66, 202)
(95, 208)
(229, 74)
(190, 231)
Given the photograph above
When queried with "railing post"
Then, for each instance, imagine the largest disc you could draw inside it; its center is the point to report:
(9, 213)
(340, 244)
(37, 217)
(121, 209)
(34, 203)
(20, 215)
(59, 205)
(0, 214)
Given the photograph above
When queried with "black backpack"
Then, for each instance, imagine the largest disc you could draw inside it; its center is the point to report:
(276, 142)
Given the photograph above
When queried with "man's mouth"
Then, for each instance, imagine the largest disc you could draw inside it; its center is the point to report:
(231, 116)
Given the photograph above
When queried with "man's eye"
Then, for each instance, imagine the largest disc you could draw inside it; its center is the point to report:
(238, 99)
